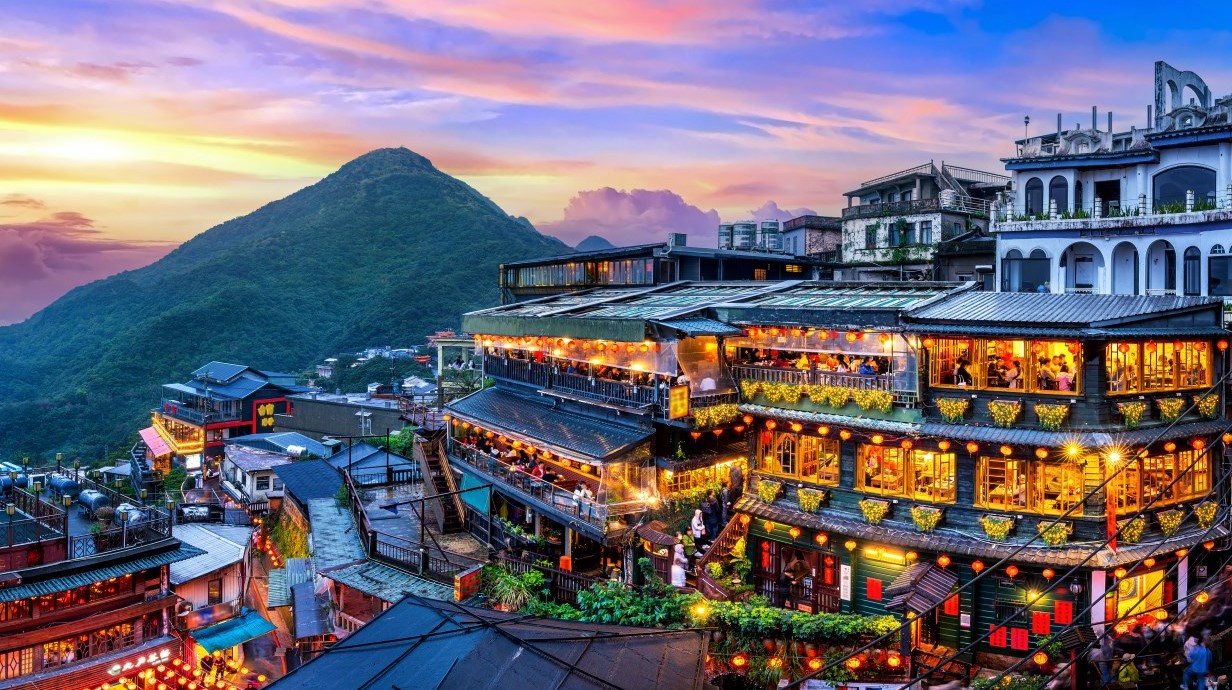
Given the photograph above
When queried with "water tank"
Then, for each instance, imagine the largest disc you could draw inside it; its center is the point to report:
(771, 236)
(725, 236)
(135, 514)
(744, 235)
(92, 500)
(63, 485)
(22, 481)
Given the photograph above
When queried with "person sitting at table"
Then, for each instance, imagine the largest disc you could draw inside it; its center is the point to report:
(1065, 380)
(1012, 375)
(536, 469)
(842, 365)
(866, 368)
(962, 376)
(551, 475)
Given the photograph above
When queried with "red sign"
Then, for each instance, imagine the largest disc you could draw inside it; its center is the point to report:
(466, 583)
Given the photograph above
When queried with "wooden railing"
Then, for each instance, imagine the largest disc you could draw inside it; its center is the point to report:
(535, 488)
(563, 584)
(421, 411)
(519, 370)
(345, 624)
(388, 477)
(720, 549)
(816, 598)
(883, 382)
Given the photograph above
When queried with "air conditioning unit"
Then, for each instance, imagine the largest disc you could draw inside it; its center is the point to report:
(677, 239)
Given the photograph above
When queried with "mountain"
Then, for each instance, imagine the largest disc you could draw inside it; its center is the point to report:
(387, 249)
(593, 243)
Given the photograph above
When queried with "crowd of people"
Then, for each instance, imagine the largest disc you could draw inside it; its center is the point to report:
(836, 362)
(707, 522)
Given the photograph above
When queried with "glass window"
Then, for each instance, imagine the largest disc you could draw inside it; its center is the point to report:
(1193, 271)
(1158, 472)
(1193, 365)
(950, 362)
(1056, 366)
(1033, 199)
(213, 593)
(785, 454)
(1005, 364)
(1025, 275)
(934, 475)
(881, 470)
(1171, 186)
(263, 483)
(870, 236)
(1121, 361)
(18, 662)
(1219, 281)
(1126, 487)
(1056, 487)
(926, 232)
(810, 458)
(1002, 483)
(1058, 191)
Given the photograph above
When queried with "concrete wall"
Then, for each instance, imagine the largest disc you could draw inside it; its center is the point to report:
(196, 591)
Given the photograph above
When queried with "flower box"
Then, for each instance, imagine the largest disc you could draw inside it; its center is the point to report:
(1004, 412)
(997, 527)
(810, 500)
(953, 409)
(1051, 416)
(1131, 413)
(1055, 534)
(1170, 521)
(874, 510)
(1208, 405)
(1131, 530)
(768, 490)
(1204, 513)
(1170, 409)
(926, 518)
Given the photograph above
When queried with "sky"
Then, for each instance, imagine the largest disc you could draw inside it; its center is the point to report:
(127, 127)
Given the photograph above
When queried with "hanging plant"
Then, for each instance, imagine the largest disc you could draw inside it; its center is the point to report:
(1170, 521)
(1205, 512)
(873, 399)
(1056, 534)
(749, 389)
(809, 500)
(781, 392)
(1004, 412)
(1170, 408)
(1208, 405)
(926, 518)
(834, 396)
(768, 490)
(953, 409)
(1131, 531)
(715, 415)
(874, 510)
(997, 527)
(1051, 416)
(1131, 413)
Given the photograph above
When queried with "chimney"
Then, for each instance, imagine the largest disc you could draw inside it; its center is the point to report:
(1109, 122)
(1094, 117)
(1058, 126)
(1149, 118)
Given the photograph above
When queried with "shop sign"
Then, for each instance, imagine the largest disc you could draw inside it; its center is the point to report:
(678, 402)
(844, 582)
(209, 615)
(156, 657)
(466, 583)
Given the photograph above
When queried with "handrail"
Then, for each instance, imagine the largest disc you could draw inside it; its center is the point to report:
(973, 175)
(588, 511)
(564, 584)
(721, 548)
(923, 169)
(438, 447)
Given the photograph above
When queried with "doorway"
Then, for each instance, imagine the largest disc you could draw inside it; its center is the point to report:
(1109, 193)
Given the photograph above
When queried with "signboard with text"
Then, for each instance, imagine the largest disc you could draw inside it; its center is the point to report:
(678, 402)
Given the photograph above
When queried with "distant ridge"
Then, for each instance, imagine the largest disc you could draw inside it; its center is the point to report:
(386, 249)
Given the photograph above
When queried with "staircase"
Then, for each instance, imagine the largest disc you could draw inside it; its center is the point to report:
(438, 480)
(955, 669)
(735, 530)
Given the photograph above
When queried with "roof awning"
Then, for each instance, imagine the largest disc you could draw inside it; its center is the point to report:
(531, 420)
(920, 588)
(231, 632)
(700, 327)
(157, 445)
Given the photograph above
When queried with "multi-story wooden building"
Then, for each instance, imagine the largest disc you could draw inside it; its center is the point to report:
(82, 603)
(895, 433)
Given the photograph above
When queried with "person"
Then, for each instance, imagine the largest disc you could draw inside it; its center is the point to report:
(1199, 665)
(724, 503)
(698, 526)
(1065, 380)
(736, 476)
(536, 469)
(842, 367)
(710, 514)
(867, 369)
(1101, 658)
(578, 498)
(962, 377)
(1047, 378)
(1041, 288)
(1128, 673)
(679, 563)
(1012, 373)
(207, 665)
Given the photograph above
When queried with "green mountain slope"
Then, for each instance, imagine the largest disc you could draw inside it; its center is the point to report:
(387, 249)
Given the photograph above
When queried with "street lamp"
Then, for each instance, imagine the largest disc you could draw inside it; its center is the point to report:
(59, 457)
(10, 508)
(124, 528)
(76, 470)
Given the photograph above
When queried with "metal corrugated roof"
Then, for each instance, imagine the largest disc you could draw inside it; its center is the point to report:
(387, 583)
(223, 545)
(88, 577)
(219, 372)
(281, 580)
(335, 540)
(701, 327)
(920, 588)
(309, 479)
(248, 626)
(281, 442)
(251, 459)
(311, 612)
(1048, 308)
(1065, 331)
(534, 418)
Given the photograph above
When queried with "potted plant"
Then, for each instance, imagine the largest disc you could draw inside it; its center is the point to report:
(1170, 408)
(997, 527)
(953, 409)
(874, 510)
(1208, 405)
(926, 518)
(1131, 413)
(1170, 521)
(1205, 513)
(809, 500)
(1131, 530)
(1051, 416)
(1055, 534)
(768, 490)
(1004, 412)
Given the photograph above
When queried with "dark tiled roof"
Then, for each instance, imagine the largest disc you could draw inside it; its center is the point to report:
(951, 328)
(886, 425)
(219, 372)
(534, 418)
(701, 327)
(309, 479)
(1057, 439)
(956, 543)
(421, 643)
(86, 577)
(363, 456)
(920, 588)
(1047, 308)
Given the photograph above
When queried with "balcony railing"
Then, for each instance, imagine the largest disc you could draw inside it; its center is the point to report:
(734, 531)
(606, 390)
(563, 584)
(892, 208)
(195, 415)
(884, 382)
(519, 370)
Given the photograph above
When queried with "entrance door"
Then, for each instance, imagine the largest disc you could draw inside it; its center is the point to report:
(925, 631)
(1109, 193)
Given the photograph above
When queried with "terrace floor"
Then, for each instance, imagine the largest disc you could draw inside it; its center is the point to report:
(405, 523)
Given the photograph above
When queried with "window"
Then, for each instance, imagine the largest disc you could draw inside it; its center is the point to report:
(1172, 184)
(759, 274)
(947, 356)
(1121, 360)
(1158, 472)
(870, 236)
(934, 475)
(1055, 488)
(213, 592)
(1193, 271)
(263, 483)
(1219, 280)
(1158, 366)
(1033, 198)
(18, 662)
(881, 469)
(1057, 366)
(785, 454)
(901, 233)
(810, 458)
(1038, 366)
(1058, 191)
(926, 232)
(1002, 483)
(1031, 274)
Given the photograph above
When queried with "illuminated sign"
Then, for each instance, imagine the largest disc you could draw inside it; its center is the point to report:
(144, 660)
(678, 402)
(265, 416)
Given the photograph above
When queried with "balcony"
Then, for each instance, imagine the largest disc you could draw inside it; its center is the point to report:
(1107, 221)
(883, 382)
(193, 413)
(893, 208)
(517, 370)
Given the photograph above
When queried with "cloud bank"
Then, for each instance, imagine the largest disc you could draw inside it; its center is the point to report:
(632, 217)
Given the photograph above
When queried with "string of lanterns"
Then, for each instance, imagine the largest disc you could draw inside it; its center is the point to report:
(558, 345)
(177, 674)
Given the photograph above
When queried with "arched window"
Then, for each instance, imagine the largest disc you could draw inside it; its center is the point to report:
(1039, 254)
(1058, 191)
(1217, 249)
(1171, 185)
(1193, 271)
(1025, 275)
(1033, 199)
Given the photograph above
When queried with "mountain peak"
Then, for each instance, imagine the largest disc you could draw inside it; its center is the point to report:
(388, 160)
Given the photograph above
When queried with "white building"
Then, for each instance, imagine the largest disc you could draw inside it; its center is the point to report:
(1148, 211)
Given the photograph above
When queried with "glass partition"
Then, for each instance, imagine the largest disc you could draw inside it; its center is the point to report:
(1036, 366)
(1157, 366)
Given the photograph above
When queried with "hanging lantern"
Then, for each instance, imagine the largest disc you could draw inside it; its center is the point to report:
(943, 445)
(851, 336)
(1169, 447)
(977, 567)
(1198, 444)
(1123, 348)
(644, 348)
(775, 662)
(877, 439)
(1049, 573)
(740, 660)
(821, 538)
(1006, 450)
(928, 342)
(600, 347)
(797, 427)
(853, 663)
(695, 434)
(911, 556)
(1161, 615)
(630, 349)
(1202, 597)
(1040, 658)
(973, 447)
(717, 432)
(1151, 347)
(1149, 563)
(1222, 345)
(768, 526)
(823, 430)
(1011, 570)
(894, 660)
(850, 544)
(943, 561)
(770, 424)
(796, 332)
(1120, 573)
(1208, 545)
(1178, 345)
(906, 444)
(814, 664)
(1200, 347)
(844, 434)
(1075, 348)
(739, 428)
(834, 335)
(794, 532)
(446, 417)
(1041, 453)
(1227, 438)
(748, 419)
(744, 519)
(883, 338)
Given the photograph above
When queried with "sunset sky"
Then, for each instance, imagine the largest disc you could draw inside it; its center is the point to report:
(127, 126)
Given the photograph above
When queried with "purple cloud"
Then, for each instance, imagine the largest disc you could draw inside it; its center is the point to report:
(22, 201)
(771, 211)
(632, 217)
(43, 259)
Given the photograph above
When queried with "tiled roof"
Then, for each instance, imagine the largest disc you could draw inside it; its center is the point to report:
(223, 545)
(701, 327)
(281, 580)
(886, 425)
(87, 577)
(309, 479)
(970, 545)
(282, 442)
(362, 456)
(311, 612)
(386, 583)
(1057, 439)
(1046, 308)
(219, 372)
(335, 540)
(535, 418)
(920, 588)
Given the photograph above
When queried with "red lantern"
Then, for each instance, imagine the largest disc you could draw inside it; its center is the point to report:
(695, 434)
(877, 439)
(906, 444)
(851, 336)
(1007, 451)
(844, 434)
(1151, 347)
(928, 342)
(977, 567)
(943, 445)
(1041, 453)
(973, 447)
(1011, 570)
(768, 525)
(770, 424)
(821, 539)
(739, 428)
(748, 419)
(1049, 573)
(794, 532)
(823, 430)
(1169, 447)
(1198, 444)
(796, 427)
(943, 561)
(1075, 348)
(1222, 345)
(1123, 348)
